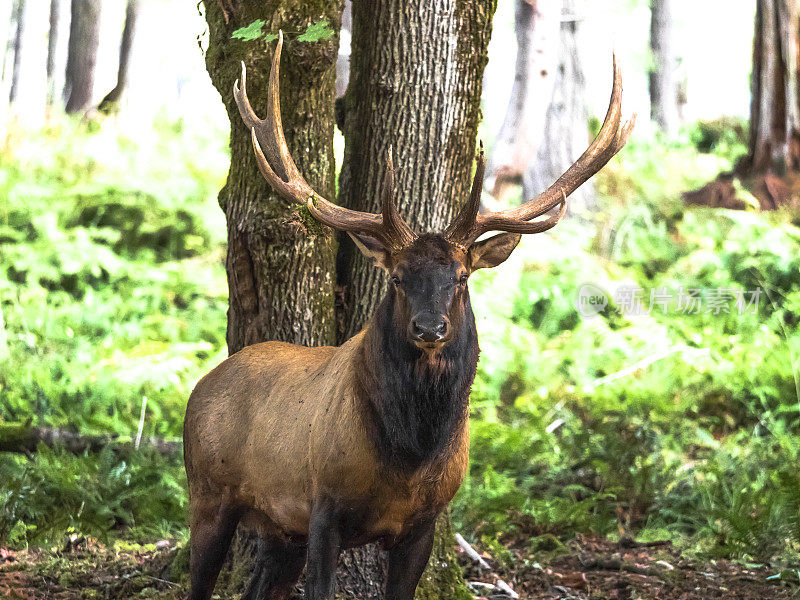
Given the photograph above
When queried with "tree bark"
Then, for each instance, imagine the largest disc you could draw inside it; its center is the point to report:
(663, 87)
(415, 84)
(280, 262)
(52, 46)
(537, 31)
(84, 37)
(566, 130)
(19, 22)
(111, 100)
(774, 109)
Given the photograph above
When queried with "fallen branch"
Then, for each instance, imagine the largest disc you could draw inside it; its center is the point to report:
(616, 564)
(498, 583)
(23, 438)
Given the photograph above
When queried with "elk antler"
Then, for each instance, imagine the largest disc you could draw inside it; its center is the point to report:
(469, 225)
(276, 165)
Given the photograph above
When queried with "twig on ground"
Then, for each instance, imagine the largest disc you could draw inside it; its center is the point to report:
(498, 583)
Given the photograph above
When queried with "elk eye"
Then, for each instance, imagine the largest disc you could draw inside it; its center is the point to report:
(463, 279)
(395, 280)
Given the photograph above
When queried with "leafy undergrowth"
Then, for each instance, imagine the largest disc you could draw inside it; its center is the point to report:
(113, 290)
(654, 418)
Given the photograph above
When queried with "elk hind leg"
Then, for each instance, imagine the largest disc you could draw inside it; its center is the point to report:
(278, 566)
(210, 534)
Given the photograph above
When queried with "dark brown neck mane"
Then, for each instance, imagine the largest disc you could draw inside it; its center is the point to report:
(413, 405)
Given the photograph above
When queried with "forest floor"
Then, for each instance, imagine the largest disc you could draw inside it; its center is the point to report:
(586, 568)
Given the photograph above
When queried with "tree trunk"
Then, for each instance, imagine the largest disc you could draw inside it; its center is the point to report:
(52, 46)
(280, 262)
(19, 21)
(516, 145)
(84, 37)
(111, 100)
(663, 88)
(774, 109)
(415, 85)
(566, 131)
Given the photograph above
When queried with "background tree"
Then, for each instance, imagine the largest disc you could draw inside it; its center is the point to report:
(566, 132)
(774, 109)
(18, 16)
(84, 38)
(536, 25)
(111, 100)
(770, 169)
(281, 263)
(52, 46)
(663, 85)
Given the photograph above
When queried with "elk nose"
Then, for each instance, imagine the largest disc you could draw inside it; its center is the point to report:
(428, 328)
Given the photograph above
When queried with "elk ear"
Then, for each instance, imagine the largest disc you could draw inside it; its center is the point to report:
(371, 247)
(490, 253)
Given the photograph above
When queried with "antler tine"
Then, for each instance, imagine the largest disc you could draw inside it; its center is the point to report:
(612, 137)
(396, 227)
(279, 169)
(462, 224)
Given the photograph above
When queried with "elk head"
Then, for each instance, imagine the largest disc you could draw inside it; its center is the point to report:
(428, 273)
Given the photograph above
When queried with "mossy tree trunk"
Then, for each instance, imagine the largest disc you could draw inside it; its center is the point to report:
(280, 269)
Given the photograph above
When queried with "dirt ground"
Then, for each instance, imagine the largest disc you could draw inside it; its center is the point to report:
(584, 568)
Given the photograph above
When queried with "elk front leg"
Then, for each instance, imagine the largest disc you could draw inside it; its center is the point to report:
(324, 545)
(407, 560)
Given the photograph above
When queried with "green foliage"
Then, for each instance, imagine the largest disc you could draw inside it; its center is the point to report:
(667, 423)
(250, 32)
(54, 492)
(321, 30)
(112, 288)
(315, 32)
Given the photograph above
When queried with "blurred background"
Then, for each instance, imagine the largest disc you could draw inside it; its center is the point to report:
(675, 422)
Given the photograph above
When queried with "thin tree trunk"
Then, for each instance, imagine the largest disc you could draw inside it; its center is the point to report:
(84, 37)
(111, 100)
(566, 131)
(537, 30)
(774, 109)
(663, 88)
(52, 46)
(19, 20)
(280, 261)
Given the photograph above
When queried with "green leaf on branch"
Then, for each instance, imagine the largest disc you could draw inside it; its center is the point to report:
(315, 32)
(251, 32)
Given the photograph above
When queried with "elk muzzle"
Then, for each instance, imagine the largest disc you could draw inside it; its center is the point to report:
(428, 327)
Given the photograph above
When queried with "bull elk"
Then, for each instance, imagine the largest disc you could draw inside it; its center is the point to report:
(323, 449)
